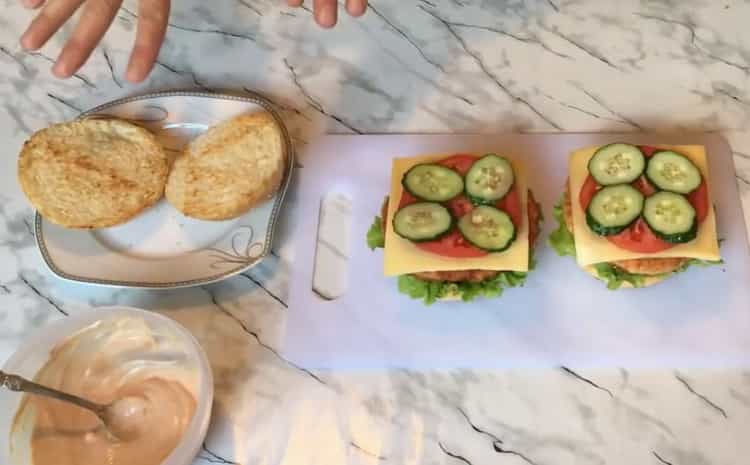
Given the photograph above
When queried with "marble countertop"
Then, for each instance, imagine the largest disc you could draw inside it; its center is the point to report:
(421, 66)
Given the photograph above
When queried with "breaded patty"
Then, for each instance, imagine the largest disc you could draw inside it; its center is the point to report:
(644, 266)
(474, 276)
(92, 173)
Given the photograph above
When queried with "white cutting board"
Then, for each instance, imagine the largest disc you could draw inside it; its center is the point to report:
(562, 316)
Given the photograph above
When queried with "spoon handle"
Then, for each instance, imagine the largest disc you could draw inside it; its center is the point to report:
(20, 384)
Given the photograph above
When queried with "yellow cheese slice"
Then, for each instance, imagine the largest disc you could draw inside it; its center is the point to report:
(403, 257)
(591, 248)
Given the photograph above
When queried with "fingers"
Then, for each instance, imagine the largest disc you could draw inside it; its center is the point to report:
(326, 12)
(153, 18)
(95, 20)
(32, 4)
(48, 21)
(356, 7)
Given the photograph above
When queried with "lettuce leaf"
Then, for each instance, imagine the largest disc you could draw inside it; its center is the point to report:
(561, 239)
(615, 277)
(375, 235)
(698, 262)
(431, 291)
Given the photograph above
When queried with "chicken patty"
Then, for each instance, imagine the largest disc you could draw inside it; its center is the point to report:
(475, 276)
(644, 266)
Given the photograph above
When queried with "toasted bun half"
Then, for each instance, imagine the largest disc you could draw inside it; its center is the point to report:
(229, 169)
(92, 173)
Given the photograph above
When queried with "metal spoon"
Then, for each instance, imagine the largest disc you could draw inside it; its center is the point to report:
(105, 412)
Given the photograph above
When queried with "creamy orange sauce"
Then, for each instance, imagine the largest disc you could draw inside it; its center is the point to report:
(117, 360)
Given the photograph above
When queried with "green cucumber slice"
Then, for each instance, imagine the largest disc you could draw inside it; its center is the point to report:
(489, 179)
(671, 217)
(488, 228)
(422, 221)
(433, 183)
(617, 164)
(673, 172)
(613, 209)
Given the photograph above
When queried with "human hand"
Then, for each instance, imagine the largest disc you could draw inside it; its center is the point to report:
(326, 11)
(97, 16)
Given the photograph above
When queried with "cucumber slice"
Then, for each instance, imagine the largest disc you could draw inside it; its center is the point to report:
(671, 217)
(422, 221)
(673, 172)
(434, 183)
(617, 164)
(488, 228)
(613, 209)
(489, 179)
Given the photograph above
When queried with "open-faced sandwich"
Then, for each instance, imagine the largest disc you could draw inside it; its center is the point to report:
(633, 216)
(457, 227)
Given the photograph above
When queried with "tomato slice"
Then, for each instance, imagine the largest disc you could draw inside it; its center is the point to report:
(639, 237)
(588, 190)
(453, 244)
(647, 150)
(699, 200)
(461, 163)
(511, 204)
(643, 185)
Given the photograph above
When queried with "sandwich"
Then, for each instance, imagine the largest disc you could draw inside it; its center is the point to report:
(633, 216)
(457, 227)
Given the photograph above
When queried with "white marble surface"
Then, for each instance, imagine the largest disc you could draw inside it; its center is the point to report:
(427, 66)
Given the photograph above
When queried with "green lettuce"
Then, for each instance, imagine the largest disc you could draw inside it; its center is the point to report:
(561, 239)
(615, 277)
(697, 262)
(375, 235)
(431, 291)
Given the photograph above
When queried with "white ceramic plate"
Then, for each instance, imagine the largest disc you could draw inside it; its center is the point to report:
(162, 248)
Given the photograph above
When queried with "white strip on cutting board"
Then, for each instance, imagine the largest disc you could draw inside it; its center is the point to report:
(700, 318)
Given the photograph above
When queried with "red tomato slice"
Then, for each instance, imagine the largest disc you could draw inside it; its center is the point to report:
(461, 163)
(639, 238)
(647, 150)
(699, 200)
(453, 244)
(643, 185)
(511, 204)
(588, 190)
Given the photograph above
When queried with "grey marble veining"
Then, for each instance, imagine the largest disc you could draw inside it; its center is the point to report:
(420, 66)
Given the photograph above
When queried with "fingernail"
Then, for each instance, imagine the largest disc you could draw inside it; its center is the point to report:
(327, 15)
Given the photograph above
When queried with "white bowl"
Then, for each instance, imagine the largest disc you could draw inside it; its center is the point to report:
(34, 352)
